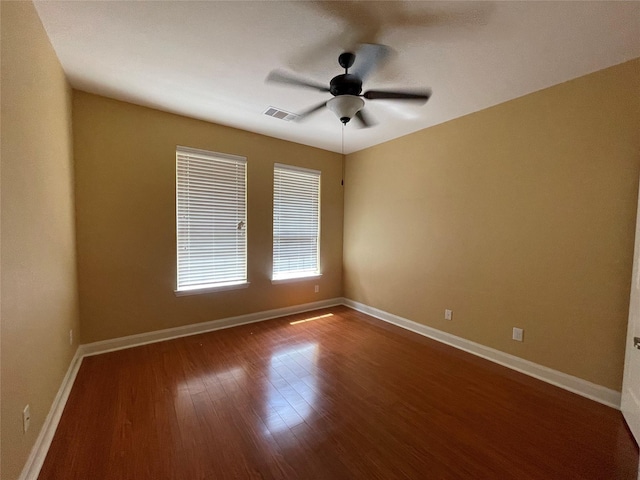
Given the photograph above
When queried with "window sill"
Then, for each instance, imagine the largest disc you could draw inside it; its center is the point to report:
(221, 288)
(295, 279)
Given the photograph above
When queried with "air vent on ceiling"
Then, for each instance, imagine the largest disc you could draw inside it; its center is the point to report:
(281, 114)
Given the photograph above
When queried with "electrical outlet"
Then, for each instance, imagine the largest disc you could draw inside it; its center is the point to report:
(518, 334)
(26, 418)
(316, 288)
(448, 314)
(71, 337)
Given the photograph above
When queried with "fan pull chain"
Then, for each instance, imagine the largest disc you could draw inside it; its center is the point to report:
(342, 150)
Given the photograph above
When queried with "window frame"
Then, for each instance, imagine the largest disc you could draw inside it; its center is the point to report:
(221, 158)
(283, 277)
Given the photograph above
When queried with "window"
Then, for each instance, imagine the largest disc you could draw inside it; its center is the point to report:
(296, 222)
(211, 199)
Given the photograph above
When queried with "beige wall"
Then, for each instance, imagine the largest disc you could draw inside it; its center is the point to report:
(125, 206)
(39, 299)
(519, 215)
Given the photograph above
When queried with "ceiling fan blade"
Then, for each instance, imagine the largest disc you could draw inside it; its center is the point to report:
(369, 57)
(417, 95)
(365, 119)
(302, 116)
(278, 76)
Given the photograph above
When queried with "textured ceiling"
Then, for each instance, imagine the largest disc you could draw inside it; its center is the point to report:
(209, 60)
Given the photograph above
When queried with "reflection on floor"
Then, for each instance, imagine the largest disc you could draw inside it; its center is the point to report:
(292, 385)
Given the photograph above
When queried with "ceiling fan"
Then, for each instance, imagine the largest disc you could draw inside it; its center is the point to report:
(346, 88)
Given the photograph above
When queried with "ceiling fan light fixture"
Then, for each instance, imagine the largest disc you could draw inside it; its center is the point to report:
(345, 106)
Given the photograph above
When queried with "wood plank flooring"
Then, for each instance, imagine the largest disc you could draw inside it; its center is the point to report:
(343, 396)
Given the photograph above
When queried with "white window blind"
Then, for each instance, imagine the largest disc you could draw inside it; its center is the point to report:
(296, 222)
(211, 198)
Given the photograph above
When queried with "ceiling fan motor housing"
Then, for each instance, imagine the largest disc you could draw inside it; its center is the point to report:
(345, 84)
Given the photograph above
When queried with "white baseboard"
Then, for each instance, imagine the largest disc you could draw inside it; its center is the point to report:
(194, 329)
(573, 384)
(39, 451)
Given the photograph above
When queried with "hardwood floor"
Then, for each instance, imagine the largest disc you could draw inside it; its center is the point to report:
(343, 396)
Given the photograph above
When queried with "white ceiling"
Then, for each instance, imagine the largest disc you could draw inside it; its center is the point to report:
(209, 60)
